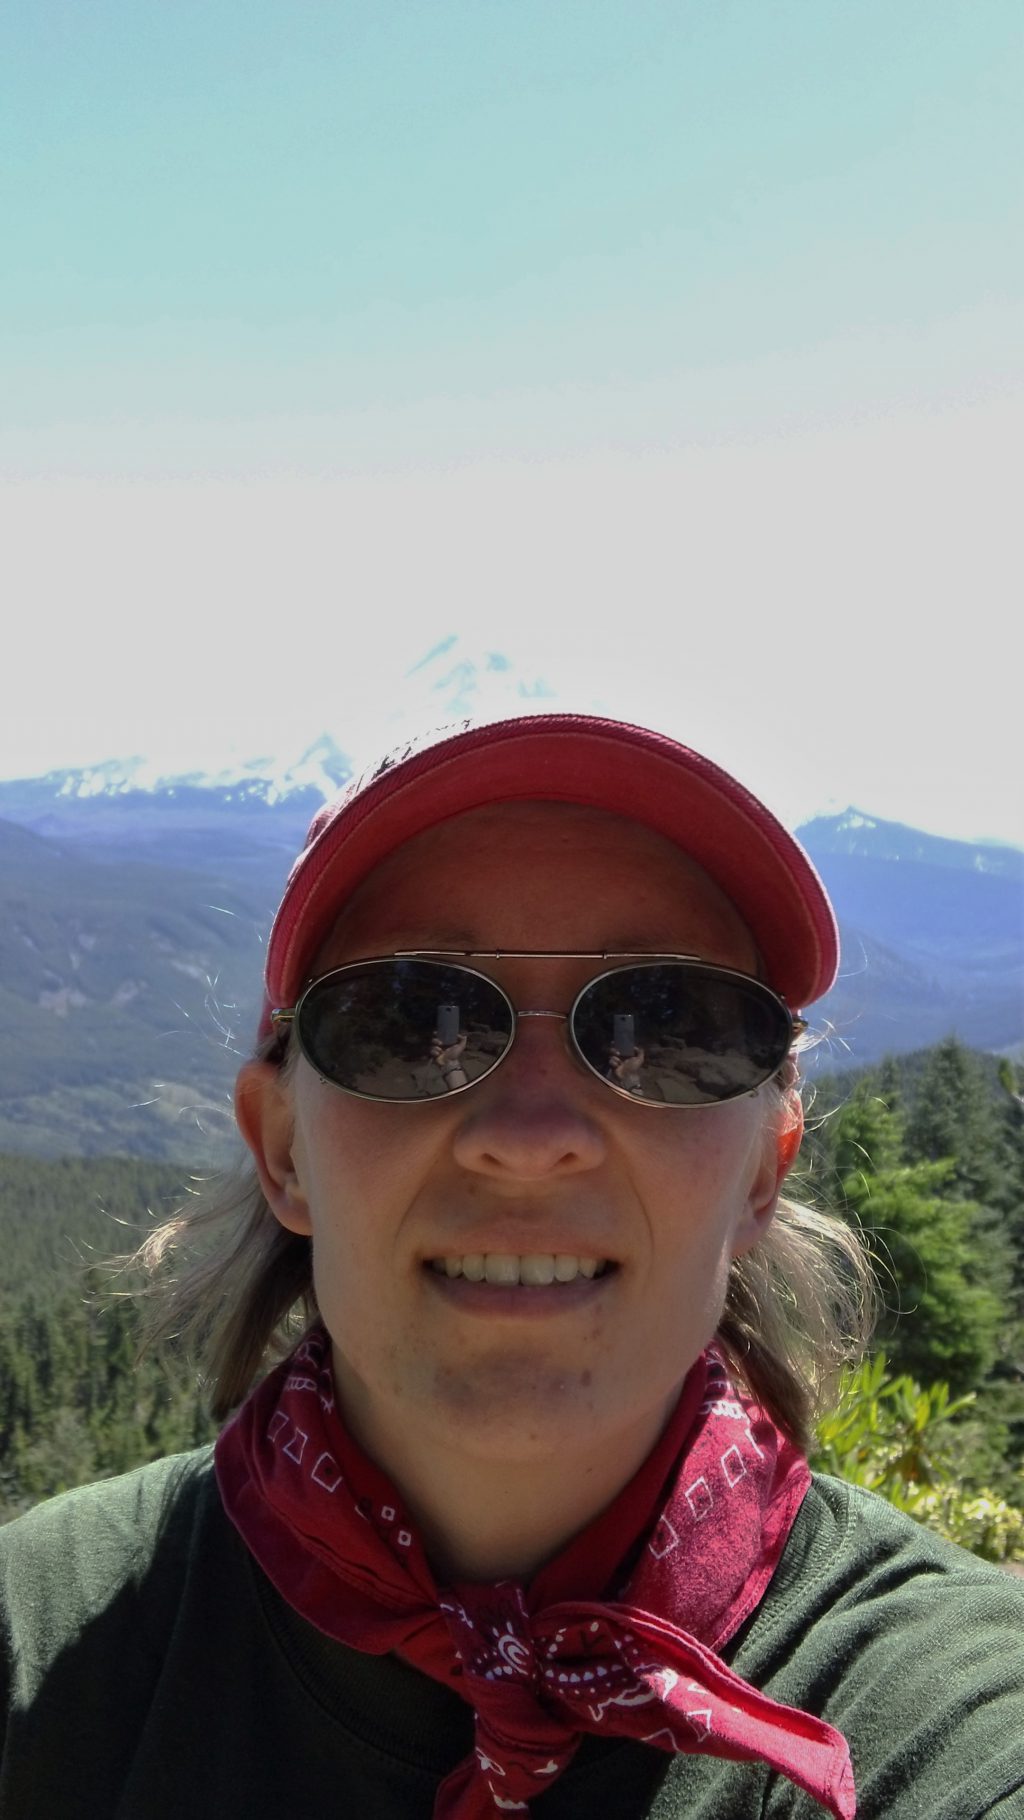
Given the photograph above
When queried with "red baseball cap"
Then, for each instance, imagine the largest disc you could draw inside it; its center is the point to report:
(565, 758)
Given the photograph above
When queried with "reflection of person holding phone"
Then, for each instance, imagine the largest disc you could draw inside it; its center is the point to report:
(625, 1059)
(447, 1046)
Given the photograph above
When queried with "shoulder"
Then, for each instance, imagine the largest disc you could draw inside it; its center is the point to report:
(71, 1558)
(875, 1577)
(911, 1647)
(859, 1544)
(102, 1521)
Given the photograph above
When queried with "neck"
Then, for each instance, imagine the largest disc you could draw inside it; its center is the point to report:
(490, 1519)
(505, 1523)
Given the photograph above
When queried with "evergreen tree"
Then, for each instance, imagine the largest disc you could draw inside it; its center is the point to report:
(943, 1274)
(868, 1136)
(889, 1084)
(954, 1116)
(944, 1312)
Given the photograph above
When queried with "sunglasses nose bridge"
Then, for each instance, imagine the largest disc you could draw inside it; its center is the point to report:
(527, 1016)
(524, 1017)
(526, 1055)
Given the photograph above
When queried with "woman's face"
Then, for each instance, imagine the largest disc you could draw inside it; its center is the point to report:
(539, 1160)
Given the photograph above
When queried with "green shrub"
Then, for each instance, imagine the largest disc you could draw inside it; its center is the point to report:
(901, 1440)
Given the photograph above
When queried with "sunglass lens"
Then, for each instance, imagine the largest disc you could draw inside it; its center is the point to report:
(680, 1034)
(403, 1030)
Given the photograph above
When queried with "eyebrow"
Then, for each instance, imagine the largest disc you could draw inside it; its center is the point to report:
(459, 941)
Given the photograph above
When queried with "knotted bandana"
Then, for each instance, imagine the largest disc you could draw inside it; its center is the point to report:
(687, 1550)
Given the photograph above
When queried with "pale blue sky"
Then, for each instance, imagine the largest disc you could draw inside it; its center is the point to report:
(675, 349)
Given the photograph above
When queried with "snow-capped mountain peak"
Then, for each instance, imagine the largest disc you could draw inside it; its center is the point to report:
(321, 768)
(854, 819)
(457, 678)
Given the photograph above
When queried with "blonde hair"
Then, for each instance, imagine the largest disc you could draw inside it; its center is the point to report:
(799, 1306)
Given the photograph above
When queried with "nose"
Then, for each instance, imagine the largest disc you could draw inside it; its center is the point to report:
(530, 1120)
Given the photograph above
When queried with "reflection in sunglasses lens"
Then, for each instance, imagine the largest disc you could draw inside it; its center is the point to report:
(404, 1030)
(697, 1038)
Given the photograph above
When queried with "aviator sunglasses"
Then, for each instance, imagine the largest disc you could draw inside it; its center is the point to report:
(667, 1030)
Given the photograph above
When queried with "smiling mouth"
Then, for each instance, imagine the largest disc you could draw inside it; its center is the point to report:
(534, 1270)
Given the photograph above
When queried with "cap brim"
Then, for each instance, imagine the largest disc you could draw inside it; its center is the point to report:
(578, 759)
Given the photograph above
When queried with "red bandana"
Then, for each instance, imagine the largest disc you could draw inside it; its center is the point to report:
(696, 1536)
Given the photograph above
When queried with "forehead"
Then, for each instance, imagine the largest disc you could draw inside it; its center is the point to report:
(538, 876)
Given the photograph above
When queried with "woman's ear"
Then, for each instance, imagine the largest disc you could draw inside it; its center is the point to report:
(263, 1110)
(780, 1144)
(790, 1134)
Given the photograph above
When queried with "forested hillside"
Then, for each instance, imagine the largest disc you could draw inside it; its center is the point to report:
(925, 1153)
(75, 1403)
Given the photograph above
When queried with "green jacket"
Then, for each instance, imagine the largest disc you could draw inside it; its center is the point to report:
(148, 1671)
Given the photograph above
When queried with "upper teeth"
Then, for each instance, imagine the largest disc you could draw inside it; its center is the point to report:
(536, 1268)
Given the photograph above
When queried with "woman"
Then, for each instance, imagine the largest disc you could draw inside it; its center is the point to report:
(523, 1524)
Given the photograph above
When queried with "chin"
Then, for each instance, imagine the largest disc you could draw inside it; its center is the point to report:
(512, 1410)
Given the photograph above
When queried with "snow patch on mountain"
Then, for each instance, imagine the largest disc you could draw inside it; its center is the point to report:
(321, 767)
(115, 777)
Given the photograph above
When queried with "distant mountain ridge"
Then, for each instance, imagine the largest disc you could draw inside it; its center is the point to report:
(126, 798)
(133, 906)
(932, 937)
(854, 833)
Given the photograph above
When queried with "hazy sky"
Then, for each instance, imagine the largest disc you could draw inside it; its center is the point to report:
(673, 350)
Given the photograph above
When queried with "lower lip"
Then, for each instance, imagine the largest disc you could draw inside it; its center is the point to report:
(535, 1302)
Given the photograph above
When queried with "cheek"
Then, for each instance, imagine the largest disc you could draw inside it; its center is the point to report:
(711, 1152)
(360, 1167)
(697, 1185)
